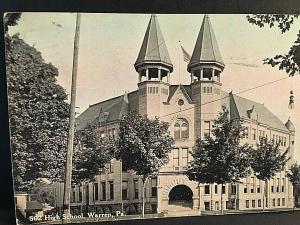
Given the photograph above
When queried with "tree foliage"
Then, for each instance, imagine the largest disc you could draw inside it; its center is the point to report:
(294, 177)
(220, 158)
(294, 174)
(143, 144)
(38, 114)
(290, 62)
(267, 159)
(11, 19)
(92, 153)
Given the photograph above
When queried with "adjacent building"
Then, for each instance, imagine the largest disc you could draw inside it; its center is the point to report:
(190, 110)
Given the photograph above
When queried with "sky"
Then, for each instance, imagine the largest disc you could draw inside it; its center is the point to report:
(109, 45)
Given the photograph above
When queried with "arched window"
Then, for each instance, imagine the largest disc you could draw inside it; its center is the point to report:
(181, 129)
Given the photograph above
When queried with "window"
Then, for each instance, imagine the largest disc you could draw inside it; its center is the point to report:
(217, 205)
(114, 133)
(110, 167)
(273, 201)
(283, 185)
(227, 205)
(247, 203)
(103, 193)
(259, 202)
(254, 134)
(278, 202)
(277, 187)
(185, 155)
(176, 157)
(181, 129)
(180, 102)
(247, 132)
(124, 190)
(216, 189)
(252, 184)
(284, 141)
(80, 194)
(223, 189)
(206, 128)
(253, 203)
(258, 190)
(153, 187)
(206, 189)
(207, 206)
(283, 201)
(233, 189)
(111, 190)
(102, 134)
(136, 188)
(73, 194)
(96, 194)
(245, 188)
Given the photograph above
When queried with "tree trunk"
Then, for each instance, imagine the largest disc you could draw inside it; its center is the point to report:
(143, 197)
(295, 197)
(222, 199)
(199, 204)
(264, 195)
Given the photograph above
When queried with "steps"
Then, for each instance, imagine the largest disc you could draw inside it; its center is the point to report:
(179, 210)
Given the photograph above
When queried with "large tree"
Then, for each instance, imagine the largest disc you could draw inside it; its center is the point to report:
(220, 158)
(143, 146)
(290, 61)
(91, 154)
(38, 114)
(294, 177)
(266, 160)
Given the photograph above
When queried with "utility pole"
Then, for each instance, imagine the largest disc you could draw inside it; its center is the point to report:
(68, 168)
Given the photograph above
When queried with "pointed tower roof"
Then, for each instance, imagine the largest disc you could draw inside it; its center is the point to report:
(153, 49)
(206, 49)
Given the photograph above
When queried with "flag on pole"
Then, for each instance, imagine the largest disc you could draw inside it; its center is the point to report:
(186, 55)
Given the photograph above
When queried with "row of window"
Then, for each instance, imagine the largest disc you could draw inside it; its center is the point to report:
(261, 133)
(207, 90)
(253, 203)
(153, 90)
(110, 133)
(207, 189)
(276, 184)
(280, 202)
(105, 191)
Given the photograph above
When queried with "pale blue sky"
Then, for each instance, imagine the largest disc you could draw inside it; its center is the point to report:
(109, 45)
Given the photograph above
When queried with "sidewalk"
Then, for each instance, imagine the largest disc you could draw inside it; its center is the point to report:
(152, 216)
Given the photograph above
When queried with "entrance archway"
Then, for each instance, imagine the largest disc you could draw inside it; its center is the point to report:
(181, 195)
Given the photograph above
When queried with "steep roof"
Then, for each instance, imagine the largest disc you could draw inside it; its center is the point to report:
(206, 49)
(244, 107)
(154, 48)
(239, 108)
(114, 108)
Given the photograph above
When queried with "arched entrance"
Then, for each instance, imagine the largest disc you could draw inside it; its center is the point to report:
(181, 196)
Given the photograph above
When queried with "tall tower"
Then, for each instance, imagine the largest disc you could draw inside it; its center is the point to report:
(205, 67)
(154, 66)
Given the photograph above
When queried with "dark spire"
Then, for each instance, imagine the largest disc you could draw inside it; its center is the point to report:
(206, 50)
(153, 49)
